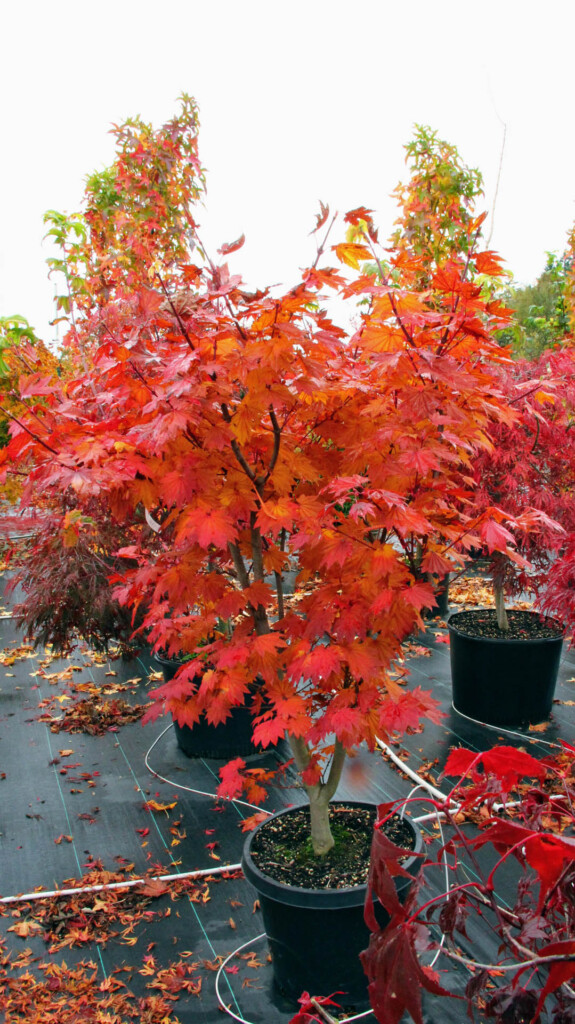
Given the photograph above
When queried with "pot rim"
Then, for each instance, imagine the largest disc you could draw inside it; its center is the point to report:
(453, 627)
(174, 659)
(295, 895)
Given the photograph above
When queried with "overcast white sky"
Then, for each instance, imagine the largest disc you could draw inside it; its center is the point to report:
(299, 100)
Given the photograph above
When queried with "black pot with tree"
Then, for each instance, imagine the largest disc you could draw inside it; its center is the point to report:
(313, 908)
(231, 738)
(504, 677)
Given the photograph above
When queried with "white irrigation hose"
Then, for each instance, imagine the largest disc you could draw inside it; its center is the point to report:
(188, 789)
(131, 882)
(409, 772)
(510, 732)
(128, 883)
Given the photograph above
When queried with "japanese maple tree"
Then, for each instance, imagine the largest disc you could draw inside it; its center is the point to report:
(252, 435)
(21, 351)
(438, 234)
(517, 811)
(133, 225)
(62, 570)
(437, 206)
(530, 473)
(522, 488)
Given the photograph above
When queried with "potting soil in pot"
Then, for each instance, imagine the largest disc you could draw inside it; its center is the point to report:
(522, 625)
(283, 849)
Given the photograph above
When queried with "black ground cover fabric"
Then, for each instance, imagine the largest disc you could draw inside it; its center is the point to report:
(71, 801)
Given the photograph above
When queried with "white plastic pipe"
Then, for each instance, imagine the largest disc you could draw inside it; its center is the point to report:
(127, 884)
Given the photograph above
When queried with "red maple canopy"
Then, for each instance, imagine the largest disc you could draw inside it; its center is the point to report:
(247, 438)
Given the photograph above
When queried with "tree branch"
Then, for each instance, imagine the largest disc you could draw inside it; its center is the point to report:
(236, 448)
(181, 324)
(335, 769)
(30, 432)
(276, 448)
(240, 565)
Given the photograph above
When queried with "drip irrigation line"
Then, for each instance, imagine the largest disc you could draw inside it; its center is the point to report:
(509, 732)
(126, 884)
(189, 789)
(410, 772)
(244, 1020)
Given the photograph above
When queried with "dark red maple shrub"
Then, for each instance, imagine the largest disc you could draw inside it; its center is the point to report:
(508, 815)
(258, 439)
(558, 597)
(530, 472)
(64, 569)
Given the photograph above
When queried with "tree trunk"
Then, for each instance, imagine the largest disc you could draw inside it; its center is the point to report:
(321, 837)
(319, 795)
(502, 620)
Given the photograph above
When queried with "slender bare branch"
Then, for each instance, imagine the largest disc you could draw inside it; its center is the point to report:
(236, 448)
(335, 769)
(276, 448)
(181, 323)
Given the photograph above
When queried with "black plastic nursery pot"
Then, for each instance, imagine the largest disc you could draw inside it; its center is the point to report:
(315, 936)
(503, 681)
(232, 738)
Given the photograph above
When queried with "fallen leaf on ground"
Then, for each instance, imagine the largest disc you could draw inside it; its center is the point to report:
(154, 805)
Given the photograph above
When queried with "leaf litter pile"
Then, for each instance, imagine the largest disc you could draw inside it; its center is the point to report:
(36, 984)
(41, 990)
(98, 709)
(471, 591)
(95, 715)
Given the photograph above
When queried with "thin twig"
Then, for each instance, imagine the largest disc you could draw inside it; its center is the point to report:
(488, 243)
(181, 324)
(322, 1011)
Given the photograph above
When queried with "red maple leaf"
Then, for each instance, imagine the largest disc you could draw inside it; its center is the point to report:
(495, 536)
(207, 526)
(559, 972)
(229, 247)
(508, 764)
(396, 977)
(488, 262)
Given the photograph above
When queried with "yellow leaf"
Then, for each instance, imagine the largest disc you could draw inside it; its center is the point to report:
(243, 422)
(153, 805)
(351, 253)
